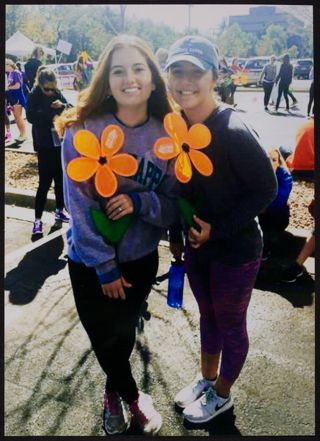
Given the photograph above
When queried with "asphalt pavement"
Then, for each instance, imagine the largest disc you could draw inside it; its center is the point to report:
(53, 383)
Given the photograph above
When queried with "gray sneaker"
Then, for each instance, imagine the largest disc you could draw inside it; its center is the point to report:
(192, 392)
(207, 407)
(115, 415)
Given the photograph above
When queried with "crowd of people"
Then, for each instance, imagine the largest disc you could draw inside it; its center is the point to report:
(102, 156)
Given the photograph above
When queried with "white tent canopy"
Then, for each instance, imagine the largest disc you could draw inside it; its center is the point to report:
(21, 46)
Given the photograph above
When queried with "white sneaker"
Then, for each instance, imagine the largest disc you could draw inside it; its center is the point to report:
(115, 415)
(207, 407)
(192, 392)
(21, 139)
(145, 415)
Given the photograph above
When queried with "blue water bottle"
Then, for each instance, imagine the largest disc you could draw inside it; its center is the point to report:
(175, 285)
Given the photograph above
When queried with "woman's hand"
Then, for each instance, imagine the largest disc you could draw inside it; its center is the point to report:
(115, 289)
(197, 238)
(119, 206)
(176, 249)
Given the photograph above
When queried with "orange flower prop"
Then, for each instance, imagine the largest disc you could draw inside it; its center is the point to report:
(100, 159)
(239, 78)
(185, 144)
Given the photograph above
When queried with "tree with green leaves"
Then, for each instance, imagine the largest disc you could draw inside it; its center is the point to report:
(273, 42)
(233, 42)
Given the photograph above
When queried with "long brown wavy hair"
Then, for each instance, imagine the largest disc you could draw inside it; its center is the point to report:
(95, 100)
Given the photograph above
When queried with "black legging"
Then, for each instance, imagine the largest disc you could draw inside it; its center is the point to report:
(311, 98)
(267, 87)
(111, 324)
(50, 168)
(283, 87)
(290, 94)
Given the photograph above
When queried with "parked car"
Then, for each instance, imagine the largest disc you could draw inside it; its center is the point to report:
(242, 62)
(302, 68)
(253, 68)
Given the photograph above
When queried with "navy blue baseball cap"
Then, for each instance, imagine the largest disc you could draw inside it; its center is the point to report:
(197, 50)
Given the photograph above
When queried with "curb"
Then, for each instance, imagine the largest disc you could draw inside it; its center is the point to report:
(25, 198)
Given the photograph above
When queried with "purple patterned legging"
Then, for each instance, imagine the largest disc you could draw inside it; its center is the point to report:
(223, 294)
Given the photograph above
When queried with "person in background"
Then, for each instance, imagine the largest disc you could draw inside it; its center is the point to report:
(8, 135)
(275, 218)
(301, 161)
(235, 69)
(31, 68)
(296, 269)
(223, 249)
(162, 56)
(16, 97)
(83, 72)
(268, 78)
(224, 81)
(32, 65)
(284, 78)
(110, 282)
(311, 93)
(44, 103)
(25, 87)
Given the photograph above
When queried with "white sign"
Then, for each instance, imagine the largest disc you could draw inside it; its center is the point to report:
(66, 81)
(64, 47)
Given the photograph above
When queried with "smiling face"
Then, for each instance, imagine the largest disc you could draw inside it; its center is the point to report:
(191, 87)
(130, 79)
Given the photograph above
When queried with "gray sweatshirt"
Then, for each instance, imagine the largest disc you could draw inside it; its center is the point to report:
(153, 190)
(269, 73)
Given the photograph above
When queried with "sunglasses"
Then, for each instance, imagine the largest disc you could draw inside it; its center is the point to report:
(49, 89)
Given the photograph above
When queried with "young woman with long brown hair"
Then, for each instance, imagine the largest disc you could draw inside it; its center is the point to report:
(111, 281)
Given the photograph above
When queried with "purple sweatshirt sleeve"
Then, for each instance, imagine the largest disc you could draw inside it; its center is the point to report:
(88, 245)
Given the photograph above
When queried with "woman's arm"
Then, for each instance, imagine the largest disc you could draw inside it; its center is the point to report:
(88, 244)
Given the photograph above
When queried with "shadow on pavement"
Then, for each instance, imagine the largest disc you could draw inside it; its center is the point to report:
(298, 293)
(223, 424)
(25, 280)
(287, 114)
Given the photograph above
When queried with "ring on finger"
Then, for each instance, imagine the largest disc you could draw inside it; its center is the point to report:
(120, 209)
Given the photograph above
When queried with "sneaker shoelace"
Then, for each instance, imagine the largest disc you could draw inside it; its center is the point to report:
(111, 403)
(209, 396)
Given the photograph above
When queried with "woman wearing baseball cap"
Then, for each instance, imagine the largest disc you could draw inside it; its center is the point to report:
(223, 250)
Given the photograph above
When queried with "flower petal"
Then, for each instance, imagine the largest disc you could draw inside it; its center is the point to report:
(165, 148)
(86, 143)
(244, 79)
(182, 168)
(123, 164)
(176, 127)
(112, 139)
(105, 181)
(201, 162)
(199, 136)
(81, 169)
